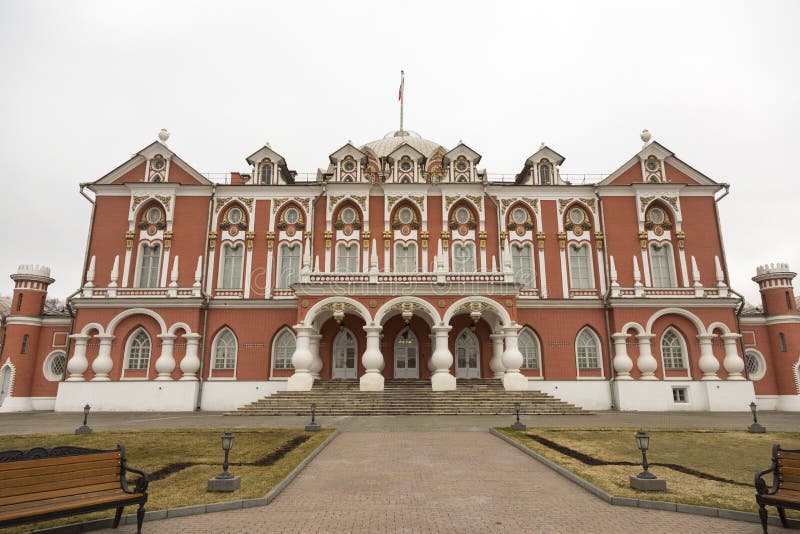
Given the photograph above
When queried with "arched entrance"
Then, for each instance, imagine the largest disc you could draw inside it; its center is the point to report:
(406, 354)
(5, 383)
(345, 360)
(467, 355)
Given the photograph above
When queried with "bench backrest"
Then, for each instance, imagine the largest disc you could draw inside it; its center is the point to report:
(788, 463)
(43, 474)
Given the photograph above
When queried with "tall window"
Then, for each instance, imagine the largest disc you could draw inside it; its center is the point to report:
(405, 258)
(283, 349)
(579, 272)
(148, 265)
(265, 174)
(19, 302)
(24, 348)
(344, 355)
(463, 258)
(139, 351)
(544, 174)
(788, 300)
(289, 271)
(782, 340)
(347, 258)
(587, 348)
(672, 350)
(522, 263)
(661, 265)
(225, 350)
(233, 255)
(529, 347)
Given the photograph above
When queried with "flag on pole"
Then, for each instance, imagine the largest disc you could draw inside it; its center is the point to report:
(402, 83)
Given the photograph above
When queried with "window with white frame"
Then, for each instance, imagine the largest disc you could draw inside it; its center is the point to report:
(587, 349)
(673, 350)
(139, 349)
(289, 271)
(661, 265)
(755, 365)
(265, 173)
(225, 350)
(580, 274)
(544, 173)
(283, 349)
(405, 258)
(55, 365)
(529, 347)
(232, 261)
(522, 263)
(463, 257)
(347, 258)
(149, 258)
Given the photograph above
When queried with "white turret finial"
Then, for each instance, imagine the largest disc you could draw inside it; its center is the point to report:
(114, 272)
(719, 272)
(307, 254)
(373, 258)
(695, 273)
(613, 271)
(90, 273)
(163, 135)
(173, 277)
(316, 264)
(645, 136)
(637, 274)
(494, 263)
(198, 271)
(541, 145)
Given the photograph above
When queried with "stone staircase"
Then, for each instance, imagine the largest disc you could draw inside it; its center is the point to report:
(406, 396)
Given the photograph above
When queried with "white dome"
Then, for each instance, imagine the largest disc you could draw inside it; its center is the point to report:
(392, 140)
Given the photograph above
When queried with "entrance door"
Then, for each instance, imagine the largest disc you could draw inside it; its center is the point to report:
(344, 355)
(5, 385)
(467, 355)
(406, 355)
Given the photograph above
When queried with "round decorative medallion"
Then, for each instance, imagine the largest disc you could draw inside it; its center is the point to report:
(349, 166)
(441, 303)
(519, 216)
(348, 230)
(576, 215)
(157, 163)
(652, 164)
(235, 216)
(348, 215)
(151, 230)
(290, 230)
(405, 229)
(520, 230)
(461, 166)
(233, 230)
(462, 215)
(405, 215)
(304, 304)
(462, 229)
(509, 303)
(291, 216)
(153, 215)
(657, 215)
(373, 303)
(659, 231)
(405, 165)
(577, 230)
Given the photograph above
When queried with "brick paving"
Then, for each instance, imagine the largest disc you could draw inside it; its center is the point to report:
(436, 482)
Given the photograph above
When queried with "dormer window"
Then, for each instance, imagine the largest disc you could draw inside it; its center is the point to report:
(652, 169)
(349, 166)
(544, 173)
(462, 170)
(158, 162)
(158, 166)
(405, 165)
(265, 173)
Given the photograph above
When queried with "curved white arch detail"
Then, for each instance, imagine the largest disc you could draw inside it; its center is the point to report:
(427, 306)
(136, 311)
(137, 212)
(317, 308)
(698, 324)
(721, 326)
(176, 326)
(496, 307)
(91, 326)
(636, 326)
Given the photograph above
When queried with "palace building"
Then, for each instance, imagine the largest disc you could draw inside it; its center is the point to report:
(402, 259)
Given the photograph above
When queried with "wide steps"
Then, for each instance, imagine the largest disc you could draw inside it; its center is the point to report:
(409, 397)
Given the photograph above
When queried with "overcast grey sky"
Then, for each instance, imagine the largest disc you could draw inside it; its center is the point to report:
(83, 85)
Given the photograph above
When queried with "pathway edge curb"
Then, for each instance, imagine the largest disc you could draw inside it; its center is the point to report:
(722, 513)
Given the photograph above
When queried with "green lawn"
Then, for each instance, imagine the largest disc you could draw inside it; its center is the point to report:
(154, 450)
(731, 455)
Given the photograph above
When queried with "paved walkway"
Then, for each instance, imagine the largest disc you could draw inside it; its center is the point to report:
(431, 482)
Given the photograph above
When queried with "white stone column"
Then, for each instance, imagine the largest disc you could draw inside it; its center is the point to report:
(646, 363)
(513, 380)
(165, 363)
(496, 363)
(103, 364)
(733, 363)
(190, 363)
(441, 361)
(302, 359)
(372, 379)
(622, 362)
(316, 364)
(78, 364)
(708, 363)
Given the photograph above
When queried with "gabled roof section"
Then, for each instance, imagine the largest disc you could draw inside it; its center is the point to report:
(265, 152)
(156, 147)
(405, 150)
(545, 152)
(622, 176)
(462, 150)
(348, 150)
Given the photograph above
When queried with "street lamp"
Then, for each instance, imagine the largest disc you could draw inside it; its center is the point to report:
(518, 425)
(643, 442)
(313, 426)
(755, 428)
(225, 481)
(84, 428)
(227, 445)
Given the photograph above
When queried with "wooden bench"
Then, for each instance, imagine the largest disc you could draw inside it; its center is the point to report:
(41, 484)
(785, 490)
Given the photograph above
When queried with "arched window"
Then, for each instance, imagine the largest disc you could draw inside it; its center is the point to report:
(344, 355)
(19, 302)
(782, 341)
(225, 350)
(347, 258)
(754, 364)
(673, 350)
(138, 353)
(522, 263)
(463, 258)
(283, 349)
(661, 265)
(529, 347)
(289, 271)
(467, 355)
(232, 259)
(265, 173)
(587, 350)
(544, 173)
(54, 366)
(149, 258)
(24, 348)
(405, 258)
(580, 273)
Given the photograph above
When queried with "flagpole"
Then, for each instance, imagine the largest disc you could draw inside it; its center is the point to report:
(402, 98)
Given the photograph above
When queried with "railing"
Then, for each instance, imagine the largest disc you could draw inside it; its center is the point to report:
(224, 178)
(140, 292)
(669, 292)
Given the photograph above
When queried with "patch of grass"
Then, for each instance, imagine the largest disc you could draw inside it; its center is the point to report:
(261, 457)
(731, 455)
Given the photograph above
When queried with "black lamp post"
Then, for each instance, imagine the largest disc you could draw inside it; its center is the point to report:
(313, 426)
(227, 445)
(643, 442)
(84, 428)
(755, 428)
(518, 425)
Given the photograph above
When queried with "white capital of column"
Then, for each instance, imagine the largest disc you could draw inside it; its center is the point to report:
(103, 364)
(441, 361)
(165, 363)
(708, 362)
(316, 364)
(733, 363)
(302, 359)
(78, 364)
(190, 363)
(513, 380)
(646, 363)
(372, 379)
(622, 361)
(496, 363)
